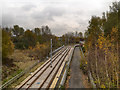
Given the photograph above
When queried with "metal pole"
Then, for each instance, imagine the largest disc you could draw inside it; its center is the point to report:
(51, 53)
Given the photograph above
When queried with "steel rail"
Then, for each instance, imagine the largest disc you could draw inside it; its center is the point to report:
(63, 57)
(54, 57)
(44, 70)
(57, 70)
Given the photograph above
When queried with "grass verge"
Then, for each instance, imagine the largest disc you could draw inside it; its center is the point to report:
(83, 69)
(17, 82)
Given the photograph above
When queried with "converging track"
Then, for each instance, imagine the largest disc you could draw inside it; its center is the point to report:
(43, 77)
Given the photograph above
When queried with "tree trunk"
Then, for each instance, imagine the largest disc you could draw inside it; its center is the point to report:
(97, 65)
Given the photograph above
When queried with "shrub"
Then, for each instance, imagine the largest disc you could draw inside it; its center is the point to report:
(7, 45)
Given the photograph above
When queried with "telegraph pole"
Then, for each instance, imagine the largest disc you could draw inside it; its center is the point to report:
(51, 54)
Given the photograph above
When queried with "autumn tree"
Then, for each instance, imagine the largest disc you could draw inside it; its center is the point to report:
(18, 30)
(29, 39)
(111, 19)
(102, 48)
(37, 31)
(119, 35)
(45, 30)
(7, 45)
(80, 34)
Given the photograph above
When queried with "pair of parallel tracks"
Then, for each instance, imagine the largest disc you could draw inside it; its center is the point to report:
(61, 55)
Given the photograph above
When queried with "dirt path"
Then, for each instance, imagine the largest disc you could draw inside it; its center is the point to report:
(75, 80)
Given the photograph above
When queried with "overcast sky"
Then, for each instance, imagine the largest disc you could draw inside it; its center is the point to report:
(60, 15)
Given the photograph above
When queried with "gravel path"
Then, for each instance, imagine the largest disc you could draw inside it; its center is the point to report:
(75, 80)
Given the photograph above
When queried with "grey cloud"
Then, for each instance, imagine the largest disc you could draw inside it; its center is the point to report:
(54, 11)
(61, 29)
(47, 14)
(61, 16)
(7, 20)
(20, 16)
(28, 7)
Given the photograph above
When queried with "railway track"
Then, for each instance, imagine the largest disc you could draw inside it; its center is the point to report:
(54, 74)
(43, 77)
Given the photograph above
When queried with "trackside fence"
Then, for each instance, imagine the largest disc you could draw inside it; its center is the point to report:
(67, 65)
(89, 73)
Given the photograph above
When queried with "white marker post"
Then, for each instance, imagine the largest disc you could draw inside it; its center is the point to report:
(51, 54)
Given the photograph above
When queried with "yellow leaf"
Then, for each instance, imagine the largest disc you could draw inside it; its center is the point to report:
(102, 86)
